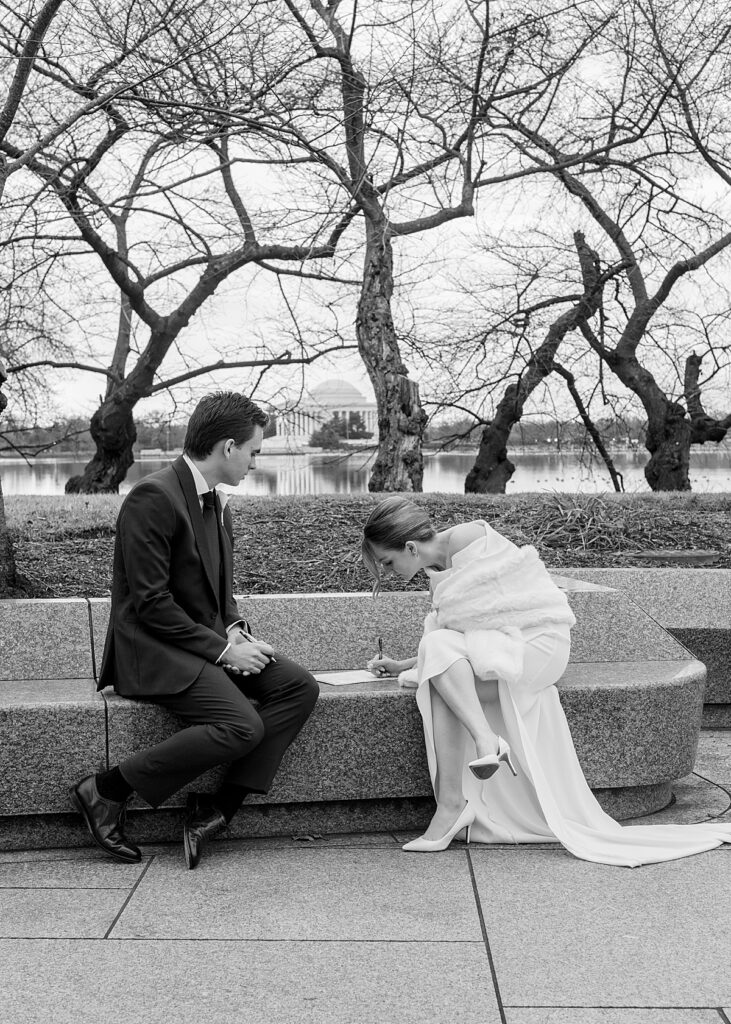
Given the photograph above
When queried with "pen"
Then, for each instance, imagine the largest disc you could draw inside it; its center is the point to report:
(380, 648)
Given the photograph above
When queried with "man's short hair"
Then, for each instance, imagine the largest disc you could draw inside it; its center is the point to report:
(220, 416)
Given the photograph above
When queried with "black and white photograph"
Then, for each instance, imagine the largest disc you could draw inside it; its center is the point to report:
(365, 511)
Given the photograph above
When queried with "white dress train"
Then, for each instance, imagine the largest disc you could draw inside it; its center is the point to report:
(550, 799)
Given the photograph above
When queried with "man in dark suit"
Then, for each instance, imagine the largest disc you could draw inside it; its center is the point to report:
(175, 638)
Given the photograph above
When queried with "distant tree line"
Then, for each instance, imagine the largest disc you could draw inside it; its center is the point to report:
(71, 435)
(540, 431)
(337, 429)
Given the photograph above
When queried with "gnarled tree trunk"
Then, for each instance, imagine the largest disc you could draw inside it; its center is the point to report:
(668, 441)
(7, 555)
(493, 468)
(399, 464)
(113, 431)
(668, 426)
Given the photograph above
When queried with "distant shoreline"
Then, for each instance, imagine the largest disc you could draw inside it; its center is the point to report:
(723, 448)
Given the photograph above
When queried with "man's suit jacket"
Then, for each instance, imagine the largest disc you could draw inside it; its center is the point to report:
(166, 619)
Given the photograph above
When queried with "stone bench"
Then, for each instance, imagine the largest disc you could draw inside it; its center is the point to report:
(632, 694)
(694, 605)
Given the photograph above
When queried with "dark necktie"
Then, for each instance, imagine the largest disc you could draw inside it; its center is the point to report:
(210, 522)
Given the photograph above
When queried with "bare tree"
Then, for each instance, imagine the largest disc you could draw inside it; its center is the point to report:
(627, 178)
(23, 68)
(493, 468)
(7, 555)
(150, 188)
(391, 144)
(404, 102)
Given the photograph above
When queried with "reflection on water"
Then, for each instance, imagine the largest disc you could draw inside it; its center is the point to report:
(445, 471)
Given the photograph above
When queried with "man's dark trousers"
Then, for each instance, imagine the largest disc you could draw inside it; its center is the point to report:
(224, 727)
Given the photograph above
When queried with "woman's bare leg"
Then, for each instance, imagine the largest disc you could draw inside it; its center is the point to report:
(449, 742)
(456, 711)
(457, 689)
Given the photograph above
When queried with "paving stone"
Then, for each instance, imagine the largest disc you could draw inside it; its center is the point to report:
(79, 873)
(609, 1015)
(714, 756)
(61, 647)
(694, 800)
(252, 982)
(92, 854)
(367, 894)
(58, 913)
(567, 932)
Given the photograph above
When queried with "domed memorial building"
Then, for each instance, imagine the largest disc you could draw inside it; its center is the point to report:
(333, 398)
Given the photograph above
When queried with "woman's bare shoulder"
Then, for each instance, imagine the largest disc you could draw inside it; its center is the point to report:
(464, 534)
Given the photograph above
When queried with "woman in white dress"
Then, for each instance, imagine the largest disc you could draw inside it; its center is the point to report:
(495, 642)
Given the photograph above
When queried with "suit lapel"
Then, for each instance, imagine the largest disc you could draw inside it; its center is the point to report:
(196, 518)
(228, 559)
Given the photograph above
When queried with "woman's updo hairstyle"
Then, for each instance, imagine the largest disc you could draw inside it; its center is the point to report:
(392, 523)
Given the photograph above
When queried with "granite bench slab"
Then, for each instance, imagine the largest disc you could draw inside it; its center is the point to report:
(632, 695)
(694, 605)
(46, 639)
(52, 731)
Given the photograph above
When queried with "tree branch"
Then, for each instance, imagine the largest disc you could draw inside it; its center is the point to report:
(617, 478)
(286, 359)
(25, 64)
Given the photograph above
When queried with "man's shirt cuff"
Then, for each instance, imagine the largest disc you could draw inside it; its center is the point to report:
(221, 655)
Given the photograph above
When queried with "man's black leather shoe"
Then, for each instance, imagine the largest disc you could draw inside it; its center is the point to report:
(105, 820)
(197, 832)
(198, 805)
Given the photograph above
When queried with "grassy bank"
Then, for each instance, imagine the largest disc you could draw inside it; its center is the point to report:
(311, 544)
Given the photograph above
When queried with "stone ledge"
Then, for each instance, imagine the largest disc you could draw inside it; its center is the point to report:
(713, 648)
(51, 733)
(609, 626)
(360, 743)
(679, 598)
(369, 743)
(693, 605)
(61, 633)
(631, 694)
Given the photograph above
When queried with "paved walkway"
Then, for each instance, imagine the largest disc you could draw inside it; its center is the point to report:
(349, 929)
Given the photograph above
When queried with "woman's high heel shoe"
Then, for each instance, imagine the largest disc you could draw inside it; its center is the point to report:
(422, 845)
(485, 767)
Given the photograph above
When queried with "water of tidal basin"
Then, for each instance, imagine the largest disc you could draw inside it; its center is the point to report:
(330, 473)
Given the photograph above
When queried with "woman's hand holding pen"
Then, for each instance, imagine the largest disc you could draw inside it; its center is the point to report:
(384, 666)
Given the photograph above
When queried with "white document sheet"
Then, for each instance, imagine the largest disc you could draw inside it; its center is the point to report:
(344, 677)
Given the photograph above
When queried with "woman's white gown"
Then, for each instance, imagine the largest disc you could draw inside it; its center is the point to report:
(550, 799)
